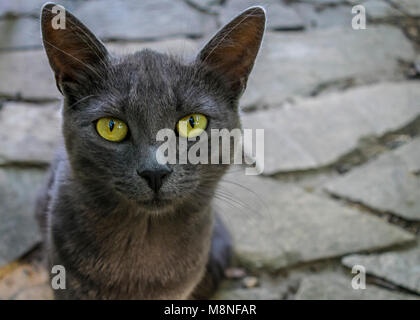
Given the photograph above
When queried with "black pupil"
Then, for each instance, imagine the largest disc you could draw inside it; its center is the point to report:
(111, 125)
(192, 122)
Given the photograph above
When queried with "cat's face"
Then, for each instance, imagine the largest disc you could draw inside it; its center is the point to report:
(147, 92)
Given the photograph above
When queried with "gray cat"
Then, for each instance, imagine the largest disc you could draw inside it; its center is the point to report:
(122, 224)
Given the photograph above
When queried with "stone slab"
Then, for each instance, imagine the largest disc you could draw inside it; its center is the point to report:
(30, 132)
(19, 33)
(247, 294)
(18, 228)
(378, 9)
(27, 75)
(110, 20)
(411, 7)
(279, 15)
(399, 267)
(315, 17)
(325, 2)
(144, 20)
(32, 8)
(303, 63)
(316, 132)
(389, 183)
(338, 287)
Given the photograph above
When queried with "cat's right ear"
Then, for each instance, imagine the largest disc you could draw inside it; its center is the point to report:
(74, 53)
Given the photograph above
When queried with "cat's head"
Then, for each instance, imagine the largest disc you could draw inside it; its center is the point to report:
(114, 107)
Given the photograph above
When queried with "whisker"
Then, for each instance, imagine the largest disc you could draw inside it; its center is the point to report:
(262, 202)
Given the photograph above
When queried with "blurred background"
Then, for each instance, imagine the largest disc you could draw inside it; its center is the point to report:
(341, 113)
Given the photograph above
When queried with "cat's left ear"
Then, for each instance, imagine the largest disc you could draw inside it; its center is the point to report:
(74, 53)
(232, 51)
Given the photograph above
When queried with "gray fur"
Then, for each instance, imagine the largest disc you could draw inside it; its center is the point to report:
(100, 219)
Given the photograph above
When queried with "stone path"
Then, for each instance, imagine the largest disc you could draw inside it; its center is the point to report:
(341, 113)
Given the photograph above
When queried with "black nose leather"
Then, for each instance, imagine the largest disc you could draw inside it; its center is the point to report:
(154, 178)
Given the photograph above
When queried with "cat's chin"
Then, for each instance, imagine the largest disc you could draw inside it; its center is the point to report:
(156, 205)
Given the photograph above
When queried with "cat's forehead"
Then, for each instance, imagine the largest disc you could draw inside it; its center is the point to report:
(151, 78)
(148, 66)
(150, 75)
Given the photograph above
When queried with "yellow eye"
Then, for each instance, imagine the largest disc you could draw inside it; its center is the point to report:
(192, 125)
(112, 129)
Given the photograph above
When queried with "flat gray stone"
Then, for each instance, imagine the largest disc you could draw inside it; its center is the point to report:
(324, 2)
(183, 48)
(18, 228)
(275, 225)
(318, 131)
(30, 133)
(21, 28)
(300, 63)
(390, 183)
(247, 294)
(18, 69)
(32, 8)
(324, 17)
(411, 7)
(27, 74)
(19, 33)
(112, 20)
(400, 267)
(378, 9)
(334, 286)
(279, 16)
(147, 19)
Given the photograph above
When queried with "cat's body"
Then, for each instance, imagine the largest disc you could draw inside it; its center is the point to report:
(118, 233)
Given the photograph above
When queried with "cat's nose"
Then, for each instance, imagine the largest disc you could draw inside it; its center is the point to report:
(154, 178)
